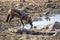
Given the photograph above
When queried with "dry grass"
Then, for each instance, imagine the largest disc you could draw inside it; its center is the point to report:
(6, 35)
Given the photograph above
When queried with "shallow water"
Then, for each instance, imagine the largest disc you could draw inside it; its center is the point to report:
(44, 22)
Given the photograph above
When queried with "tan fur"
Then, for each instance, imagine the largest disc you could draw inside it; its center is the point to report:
(12, 13)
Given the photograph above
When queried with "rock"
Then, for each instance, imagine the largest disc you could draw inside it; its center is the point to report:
(51, 27)
(56, 25)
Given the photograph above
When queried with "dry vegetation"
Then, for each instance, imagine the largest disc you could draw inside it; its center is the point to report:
(6, 35)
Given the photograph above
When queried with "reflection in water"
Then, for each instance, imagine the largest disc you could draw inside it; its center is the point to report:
(41, 24)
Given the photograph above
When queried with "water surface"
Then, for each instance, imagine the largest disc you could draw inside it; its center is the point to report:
(44, 22)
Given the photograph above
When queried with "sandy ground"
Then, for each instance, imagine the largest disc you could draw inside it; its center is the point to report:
(6, 35)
